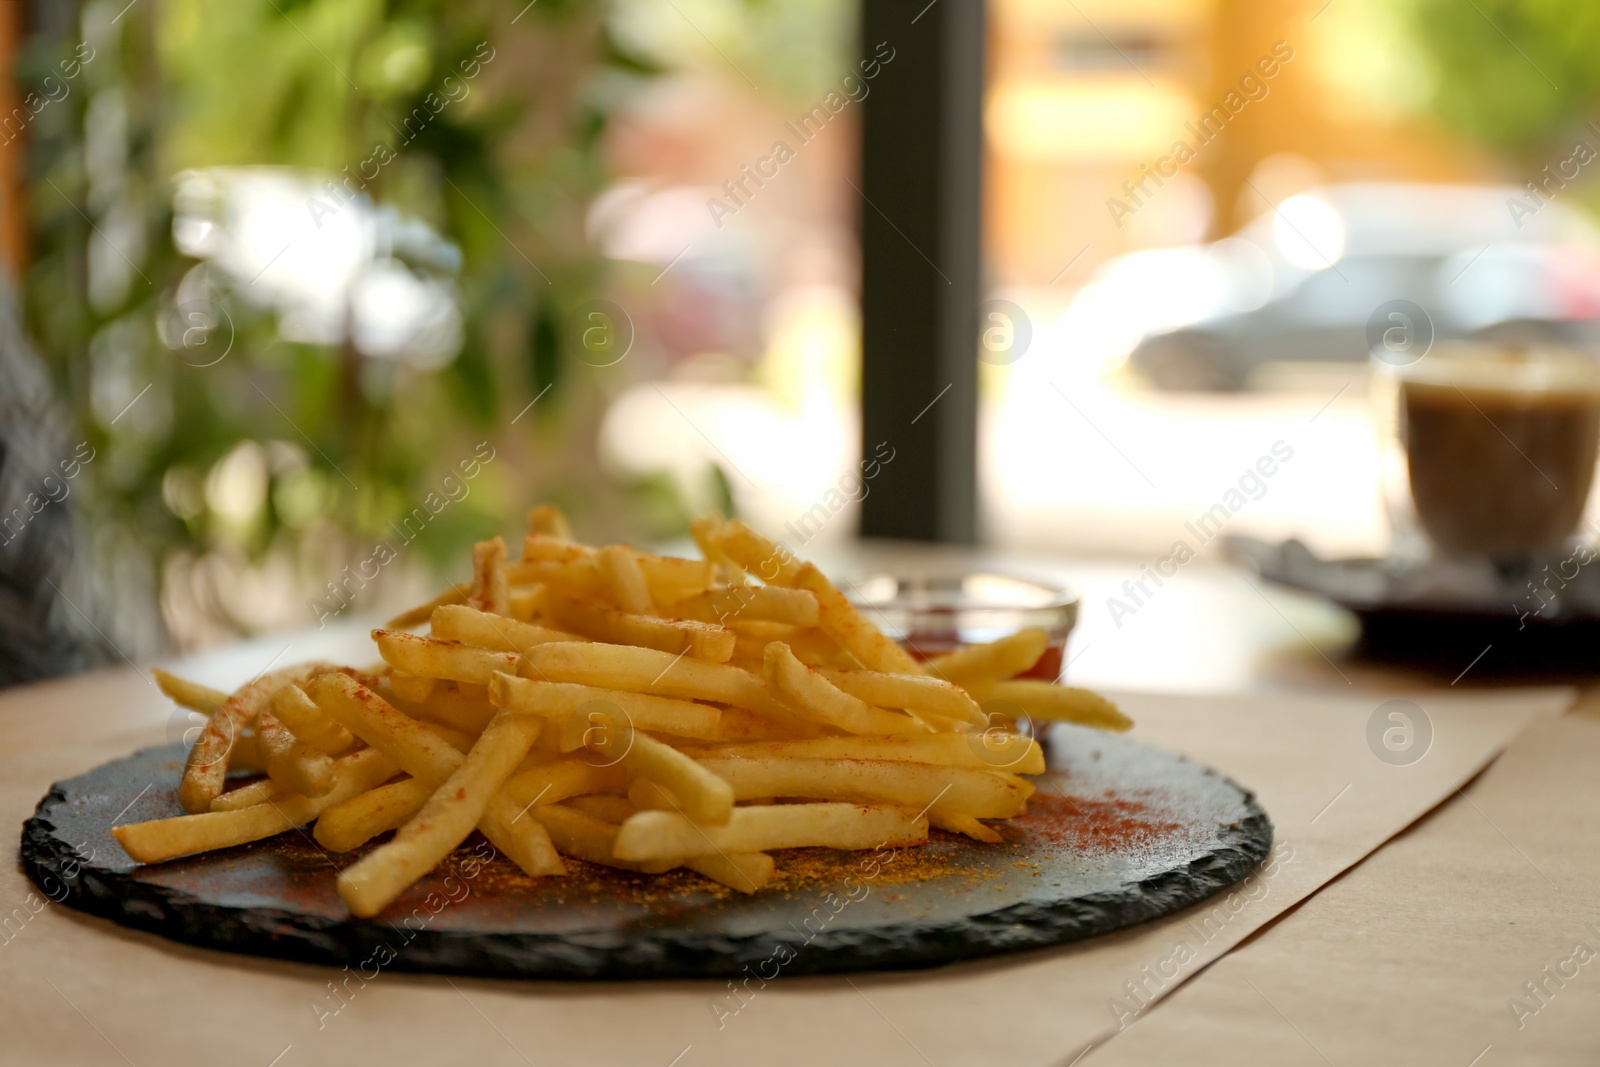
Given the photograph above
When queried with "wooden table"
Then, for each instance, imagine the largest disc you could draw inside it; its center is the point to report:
(1211, 631)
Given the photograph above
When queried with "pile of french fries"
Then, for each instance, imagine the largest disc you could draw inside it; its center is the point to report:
(638, 711)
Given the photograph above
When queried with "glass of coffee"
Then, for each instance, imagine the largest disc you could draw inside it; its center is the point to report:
(1490, 451)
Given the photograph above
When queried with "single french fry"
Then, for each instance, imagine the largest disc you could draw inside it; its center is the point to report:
(305, 720)
(958, 823)
(522, 838)
(587, 838)
(550, 549)
(816, 648)
(703, 796)
(569, 776)
(757, 555)
(247, 796)
(840, 620)
(460, 622)
(625, 578)
(698, 639)
(992, 661)
(681, 718)
(491, 590)
(358, 820)
(456, 594)
(246, 755)
(445, 820)
(461, 707)
(918, 786)
(578, 577)
(525, 602)
(349, 825)
(414, 747)
(422, 753)
(433, 658)
(742, 724)
(550, 521)
(292, 763)
(672, 578)
(187, 694)
(745, 871)
(668, 578)
(815, 698)
(912, 692)
(750, 641)
(413, 687)
(755, 603)
(971, 751)
(646, 670)
(662, 835)
(603, 806)
(207, 766)
(164, 839)
(576, 833)
(706, 530)
(1046, 700)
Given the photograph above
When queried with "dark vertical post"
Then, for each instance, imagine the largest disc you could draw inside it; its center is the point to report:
(921, 165)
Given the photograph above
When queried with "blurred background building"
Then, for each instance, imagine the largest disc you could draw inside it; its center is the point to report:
(332, 288)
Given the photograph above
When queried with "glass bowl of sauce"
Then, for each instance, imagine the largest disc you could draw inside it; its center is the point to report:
(935, 613)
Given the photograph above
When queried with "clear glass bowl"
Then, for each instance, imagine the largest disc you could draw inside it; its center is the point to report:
(931, 614)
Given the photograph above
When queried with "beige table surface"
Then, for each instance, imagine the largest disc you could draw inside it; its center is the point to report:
(78, 989)
(1424, 953)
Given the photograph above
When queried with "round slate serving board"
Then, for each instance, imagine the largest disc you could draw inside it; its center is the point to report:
(1118, 833)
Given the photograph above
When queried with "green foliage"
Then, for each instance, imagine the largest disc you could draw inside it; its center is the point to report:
(1517, 76)
(349, 443)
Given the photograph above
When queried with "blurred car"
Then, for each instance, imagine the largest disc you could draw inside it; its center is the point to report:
(1302, 281)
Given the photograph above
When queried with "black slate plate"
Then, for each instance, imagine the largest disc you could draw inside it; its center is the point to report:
(1118, 833)
(1522, 623)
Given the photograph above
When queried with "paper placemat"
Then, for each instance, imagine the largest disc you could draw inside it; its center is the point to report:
(77, 989)
(1474, 938)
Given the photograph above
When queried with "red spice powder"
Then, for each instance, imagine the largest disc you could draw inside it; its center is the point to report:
(1083, 824)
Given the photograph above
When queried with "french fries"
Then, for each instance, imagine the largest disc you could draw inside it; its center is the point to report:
(165, 839)
(620, 568)
(840, 620)
(818, 699)
(444, 821)
(646, 670)
(207, 765)
(699, 639)
(1046, 700)
(681, 718)
(549, 521)
(1000, 751)
(187, 694)
(701, 795)
(491, 591)
(468, 625)
(918, 786)
(290, 762)
(423, 754)
(620, 708)
(919, 693)
(450, 660)
(664, 835)
(757, 603)
(456, 594)
(992, 662)
(305, 720)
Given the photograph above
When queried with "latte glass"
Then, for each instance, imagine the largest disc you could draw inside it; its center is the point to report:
(1489, 450)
